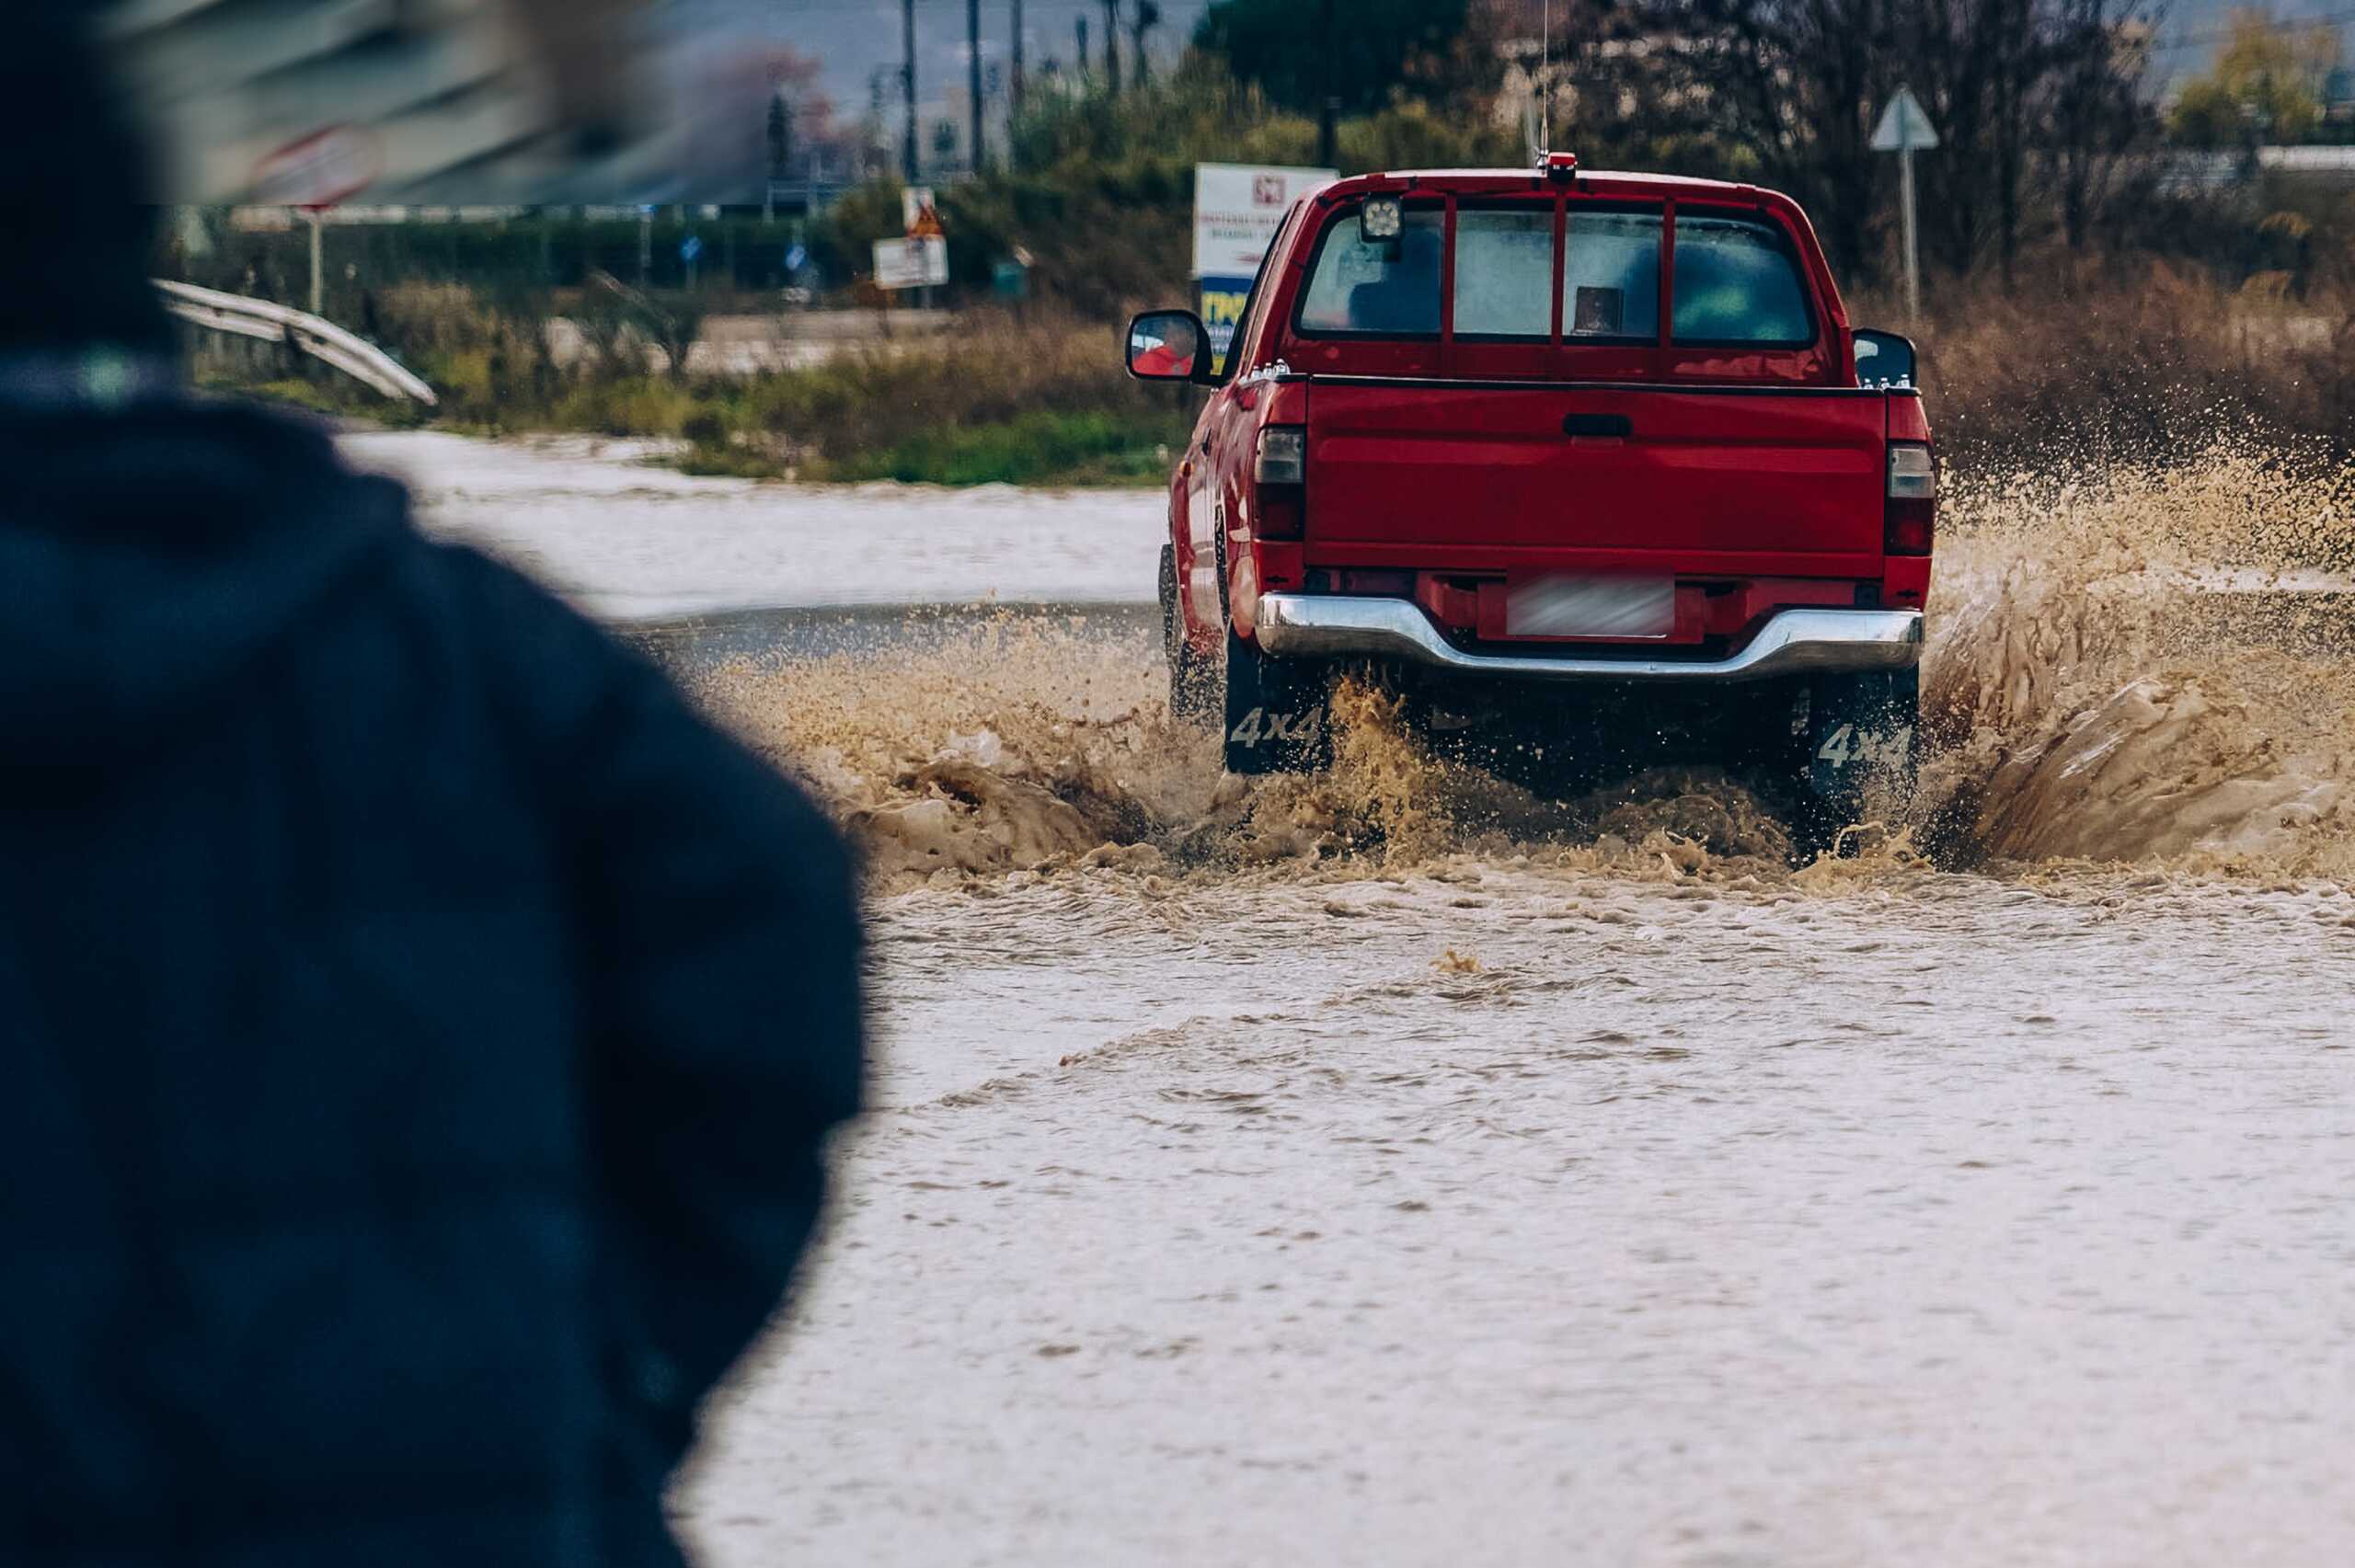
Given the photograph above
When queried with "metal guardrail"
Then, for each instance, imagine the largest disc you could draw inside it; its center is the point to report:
(323, 341)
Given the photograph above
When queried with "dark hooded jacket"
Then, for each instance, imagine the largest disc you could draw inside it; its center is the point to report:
(419, 1026)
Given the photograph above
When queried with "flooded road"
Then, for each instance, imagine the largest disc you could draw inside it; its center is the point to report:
(1494, 1215)
(630, 540)
(1400, 1167)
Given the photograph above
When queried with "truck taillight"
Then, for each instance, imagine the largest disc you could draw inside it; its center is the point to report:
(1909, 517)
(1281, 469)
(1283, 455)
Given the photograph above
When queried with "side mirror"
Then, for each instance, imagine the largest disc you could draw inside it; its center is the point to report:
(1883, 359)
(1169, 344)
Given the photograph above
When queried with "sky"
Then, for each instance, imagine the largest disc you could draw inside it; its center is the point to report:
(852, 39)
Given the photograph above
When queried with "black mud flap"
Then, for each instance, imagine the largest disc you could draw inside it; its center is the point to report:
(1277, 712)
(1192, 690)
(1863, 740)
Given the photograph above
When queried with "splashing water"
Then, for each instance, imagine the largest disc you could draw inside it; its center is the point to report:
(2141, 667)
(2150, 667)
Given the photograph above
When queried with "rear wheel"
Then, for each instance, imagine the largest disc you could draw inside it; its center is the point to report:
(1193, 690)
(1276, 712)
(1863, 740)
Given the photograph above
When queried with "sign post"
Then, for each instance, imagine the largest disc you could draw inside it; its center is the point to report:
(921, 261)
(315, 174)
(1236, 212)
(1904, 129)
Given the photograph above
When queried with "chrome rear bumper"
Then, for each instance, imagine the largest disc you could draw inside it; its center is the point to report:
(1792, 642)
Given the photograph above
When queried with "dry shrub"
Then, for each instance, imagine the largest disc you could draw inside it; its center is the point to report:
(994, 369)
(2088, 367)
(479, 360)
(423, 318)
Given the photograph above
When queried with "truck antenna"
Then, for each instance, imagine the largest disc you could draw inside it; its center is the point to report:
(1545, 78)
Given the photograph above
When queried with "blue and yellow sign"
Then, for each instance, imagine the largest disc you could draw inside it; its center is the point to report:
(1223, 303)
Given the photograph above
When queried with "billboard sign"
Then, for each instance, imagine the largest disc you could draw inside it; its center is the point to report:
(1223, 300)
(1237, 210)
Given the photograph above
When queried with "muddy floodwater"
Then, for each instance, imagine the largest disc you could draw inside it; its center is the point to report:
(1407, 1167)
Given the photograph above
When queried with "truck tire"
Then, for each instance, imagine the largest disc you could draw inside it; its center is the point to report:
(1863, 744)
(1277, 711)
(1192, 688)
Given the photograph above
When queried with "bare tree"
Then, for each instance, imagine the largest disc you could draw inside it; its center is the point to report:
(2035, 102)
(1146, 17)
(2099, 121)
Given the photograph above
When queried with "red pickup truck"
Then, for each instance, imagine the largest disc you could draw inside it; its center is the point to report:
(1589, 465)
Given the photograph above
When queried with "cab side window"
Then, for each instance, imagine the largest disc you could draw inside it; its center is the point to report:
(1376, 288)
(1248, 324)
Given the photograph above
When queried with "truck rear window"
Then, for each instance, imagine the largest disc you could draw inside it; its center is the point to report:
(1504, 275)
(1737, 284)
(1504, 272)
(1377, 287)
(1736, 280)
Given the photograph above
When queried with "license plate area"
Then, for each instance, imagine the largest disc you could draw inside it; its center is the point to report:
(1565, 607)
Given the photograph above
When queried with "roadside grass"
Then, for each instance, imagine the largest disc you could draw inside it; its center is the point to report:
(1009, 403)
(287, 391)
(1034, 449)
(1035, 399)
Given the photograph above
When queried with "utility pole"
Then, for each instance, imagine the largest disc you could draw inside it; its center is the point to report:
(910, 150)
(1081, 24)
(1328, 118)
(318, 264)
(1112, 46)
(1015, 80)
(973, 78)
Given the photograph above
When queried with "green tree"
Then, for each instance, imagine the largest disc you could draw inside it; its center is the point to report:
(2265, 86)
(1377, 51)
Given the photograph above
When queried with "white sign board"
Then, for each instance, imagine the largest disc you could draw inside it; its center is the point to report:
(1237, 211)
(1904, 126)
(911, 263)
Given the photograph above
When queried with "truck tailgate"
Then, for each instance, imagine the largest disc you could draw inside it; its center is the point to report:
(1689, 481)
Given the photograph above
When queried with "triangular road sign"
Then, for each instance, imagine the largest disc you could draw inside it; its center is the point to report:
(1904, 126)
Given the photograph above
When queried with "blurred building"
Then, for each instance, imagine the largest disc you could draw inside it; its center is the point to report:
(406, 101)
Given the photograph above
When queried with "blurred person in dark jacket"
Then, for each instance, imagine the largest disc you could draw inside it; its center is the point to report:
(419, 1026)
